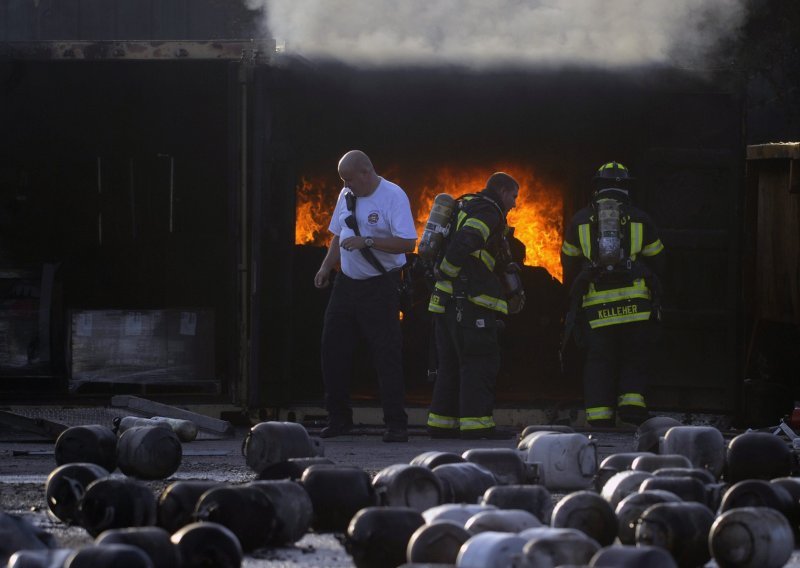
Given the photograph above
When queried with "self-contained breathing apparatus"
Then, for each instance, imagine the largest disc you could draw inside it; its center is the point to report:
(611, 265)
(442, 222)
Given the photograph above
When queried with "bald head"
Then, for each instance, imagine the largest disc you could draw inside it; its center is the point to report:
(355, 160)
(358, 173)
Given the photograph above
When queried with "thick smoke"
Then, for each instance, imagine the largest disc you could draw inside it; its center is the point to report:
(610, 33)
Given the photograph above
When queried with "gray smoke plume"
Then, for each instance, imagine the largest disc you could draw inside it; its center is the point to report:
(609, 33)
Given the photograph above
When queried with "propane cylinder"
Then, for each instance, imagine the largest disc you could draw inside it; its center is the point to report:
(687, 488)
(588, 512)
(464, 482)
(531, 428)
(458, 513)
(65, 487)
(681, 528)
(437, 227)
(378, 536)
(149, 452)
(757, 493)
(47, 558)
(532, 498)
(630, 510)
(613, 464)
(337, 493)
(502, 520)
(112, 503)
(649, 433)
(557, 551)
(153, 541)
(186, 430)
(91, 443)
(293, 509)
(792, 486)
(653, 462)
(505, 463)
(435, 458)
(207, 544)
(272, 442)
(109, 556)
(751, 537)
(177, 502)
(609, 244)
(404, 485)
(490, 550)
(437, 543)
(703, 475)
(566, 461)
(292, 468)
(525, 441)
(18, 533)
(757, 455)
(245, 510)
(703, 445)
(633, 557)
(623, 484)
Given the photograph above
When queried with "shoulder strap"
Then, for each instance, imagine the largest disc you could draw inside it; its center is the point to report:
(367, 252)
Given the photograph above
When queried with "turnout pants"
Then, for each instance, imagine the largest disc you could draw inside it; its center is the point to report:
(368, 309)
(468, 363)
(618, 367)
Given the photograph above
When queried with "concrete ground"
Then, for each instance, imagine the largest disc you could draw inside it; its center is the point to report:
(25, 464)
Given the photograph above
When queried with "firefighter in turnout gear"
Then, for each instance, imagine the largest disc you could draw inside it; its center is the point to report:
(467, 299)
(613, 259)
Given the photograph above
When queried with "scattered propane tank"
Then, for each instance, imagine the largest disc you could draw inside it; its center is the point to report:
(682, 501)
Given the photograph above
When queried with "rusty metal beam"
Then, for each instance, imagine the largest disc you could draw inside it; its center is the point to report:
(256, 51)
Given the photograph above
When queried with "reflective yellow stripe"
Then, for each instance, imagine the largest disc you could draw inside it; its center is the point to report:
(584, 234)
(653, 248)
(435, 303)
(479, 226)
(638, 290)
(570, 250)
(627, 318)
(439, 421)
(485, 257)
(636, 239)
(449, 269)
(477, 422)
(599, 413)
(490, 302)
(444, 286)
(435, 307)
(631, 399)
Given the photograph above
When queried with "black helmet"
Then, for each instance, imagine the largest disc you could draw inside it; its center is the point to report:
(612, 174)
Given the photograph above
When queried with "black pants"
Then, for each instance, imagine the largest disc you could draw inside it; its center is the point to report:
(468, 363)
(369, 309)
(618, 361)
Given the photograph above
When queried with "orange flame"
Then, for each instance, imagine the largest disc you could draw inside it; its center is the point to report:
(537, 218)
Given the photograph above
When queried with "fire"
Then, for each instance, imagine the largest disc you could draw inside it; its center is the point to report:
(315, 202)
(537, 218)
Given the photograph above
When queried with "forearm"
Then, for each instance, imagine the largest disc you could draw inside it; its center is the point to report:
(333, 256)
(394, 245)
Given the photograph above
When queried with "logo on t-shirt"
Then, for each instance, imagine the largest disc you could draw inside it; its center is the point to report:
(372, 218)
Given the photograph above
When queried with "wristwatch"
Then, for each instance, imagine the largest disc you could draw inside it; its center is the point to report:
(369, 242)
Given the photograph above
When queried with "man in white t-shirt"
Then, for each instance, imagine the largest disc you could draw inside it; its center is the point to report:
(364, 301)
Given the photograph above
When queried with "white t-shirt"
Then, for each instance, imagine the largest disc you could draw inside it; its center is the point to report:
(384, 213)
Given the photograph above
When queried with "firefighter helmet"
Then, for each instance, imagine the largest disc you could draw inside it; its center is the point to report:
(612, 174)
